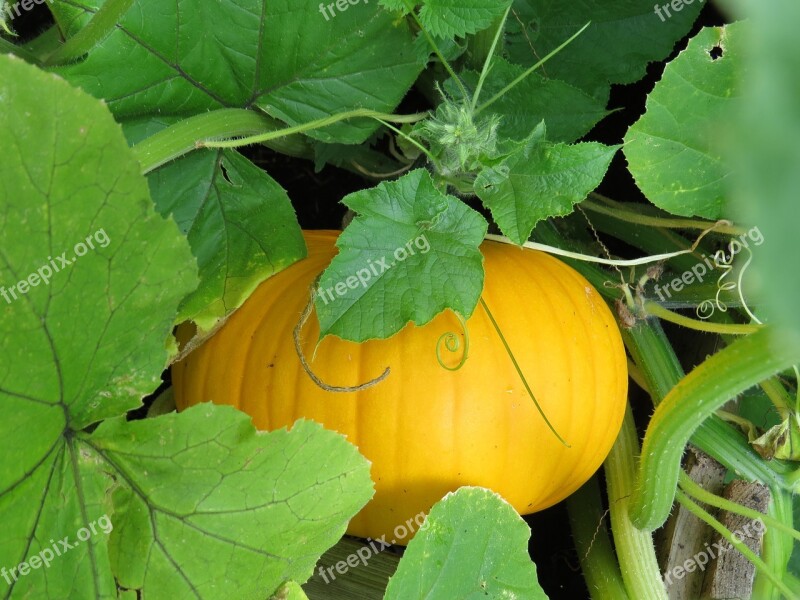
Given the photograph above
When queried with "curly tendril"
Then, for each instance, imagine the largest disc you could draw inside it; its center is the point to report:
(452, 343)
(707, 307)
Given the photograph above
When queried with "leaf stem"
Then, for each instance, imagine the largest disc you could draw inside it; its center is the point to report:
(410, 8)
(706, 497)
(7, 47)
(181, 138)
(102, 23)
(311, 125)
(655, 309)
(487, 62)
(619, 211)
(522, 76)
(595, 259)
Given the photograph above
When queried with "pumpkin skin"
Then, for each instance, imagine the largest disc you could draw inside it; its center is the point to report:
(427, 430)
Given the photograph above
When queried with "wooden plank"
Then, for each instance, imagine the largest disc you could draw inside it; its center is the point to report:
(685, 536)
(731, 575)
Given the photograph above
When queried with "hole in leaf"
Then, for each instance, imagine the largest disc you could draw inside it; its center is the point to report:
(716, 52)
(225, 173)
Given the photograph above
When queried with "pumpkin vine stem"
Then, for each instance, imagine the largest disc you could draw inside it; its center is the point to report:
(307, 368)
(452, 343)
(520, 373)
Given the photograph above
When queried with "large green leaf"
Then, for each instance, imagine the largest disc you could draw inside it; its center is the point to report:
(207, 507)
(239, 222)
(410, 253)
(473, 545)
(625, 35)
(88, 336)
(87, 339)
(541, 180)
(674, 151)
(287, 58)
(196, 504)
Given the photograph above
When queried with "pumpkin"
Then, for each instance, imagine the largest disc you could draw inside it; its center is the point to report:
(428, 430)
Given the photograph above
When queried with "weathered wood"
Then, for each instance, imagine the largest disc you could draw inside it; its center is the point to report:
(685, 536)
(352, 569)
(730, 575)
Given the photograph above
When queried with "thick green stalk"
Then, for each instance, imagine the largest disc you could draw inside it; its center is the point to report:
(727, 373)
(652, 352)
(101, 25)
(181, 138)
(635, 550)
(595, 552)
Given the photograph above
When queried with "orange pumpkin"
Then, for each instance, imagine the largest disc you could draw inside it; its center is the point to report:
(427, 430)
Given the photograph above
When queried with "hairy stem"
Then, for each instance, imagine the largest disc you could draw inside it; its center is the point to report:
(729, 372)
(637, 555)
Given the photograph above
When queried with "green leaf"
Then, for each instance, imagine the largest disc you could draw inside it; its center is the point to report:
(207, 507)
(239, 223)
(457, 18)
(567, 111)
(541, 180)
(625, 35)
(416, 252)
(86, 340)
(104, 272)
(673, 151)
(196, 504)
(473, 545)
(183, 58)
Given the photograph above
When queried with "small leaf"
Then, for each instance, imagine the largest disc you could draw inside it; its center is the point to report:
(451, 18)
(541, 180)
(473, 545)
(410, 253)
(673, 151)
